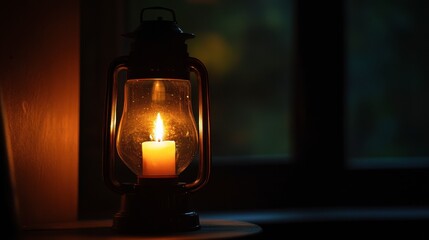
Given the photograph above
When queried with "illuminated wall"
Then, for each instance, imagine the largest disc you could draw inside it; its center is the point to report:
(40, 87)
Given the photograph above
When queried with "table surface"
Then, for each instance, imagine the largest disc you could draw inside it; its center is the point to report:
(101, 229)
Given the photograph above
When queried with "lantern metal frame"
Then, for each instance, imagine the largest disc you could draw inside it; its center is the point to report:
(160, 204)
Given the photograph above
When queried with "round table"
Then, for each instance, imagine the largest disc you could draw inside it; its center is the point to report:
(101, 229)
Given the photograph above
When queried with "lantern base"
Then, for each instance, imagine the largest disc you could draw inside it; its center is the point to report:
(156, 205)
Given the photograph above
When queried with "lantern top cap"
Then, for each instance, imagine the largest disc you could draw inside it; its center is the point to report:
(159, 28)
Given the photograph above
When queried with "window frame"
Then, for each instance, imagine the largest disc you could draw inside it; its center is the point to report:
(317, 173)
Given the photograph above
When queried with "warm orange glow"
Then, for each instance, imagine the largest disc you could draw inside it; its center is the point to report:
(159, 157)
(159, 128)
(39, 83)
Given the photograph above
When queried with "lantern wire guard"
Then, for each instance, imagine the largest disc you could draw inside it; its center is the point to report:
(156, 204)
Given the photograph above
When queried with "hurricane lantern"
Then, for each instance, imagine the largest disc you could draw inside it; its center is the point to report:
(157, 137)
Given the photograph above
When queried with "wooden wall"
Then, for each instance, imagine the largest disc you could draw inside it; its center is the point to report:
(39, 82)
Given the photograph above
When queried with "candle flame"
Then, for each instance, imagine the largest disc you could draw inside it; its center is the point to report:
(159, 128)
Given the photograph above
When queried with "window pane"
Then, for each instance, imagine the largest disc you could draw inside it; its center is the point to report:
(388, 103)
(246, 47)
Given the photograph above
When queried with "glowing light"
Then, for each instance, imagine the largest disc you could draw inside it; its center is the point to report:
(159, 128)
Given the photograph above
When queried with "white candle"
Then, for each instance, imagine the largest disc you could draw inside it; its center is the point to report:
(159, 157)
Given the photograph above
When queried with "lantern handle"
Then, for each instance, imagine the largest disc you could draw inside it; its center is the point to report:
(197, 67)
(157, 8)
(109, 147)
